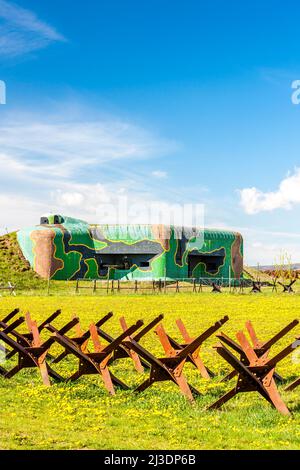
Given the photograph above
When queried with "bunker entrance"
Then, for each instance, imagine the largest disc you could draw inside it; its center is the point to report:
(205, 263)
(123, 256)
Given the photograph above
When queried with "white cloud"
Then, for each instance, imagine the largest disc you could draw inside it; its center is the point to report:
(18, 211)
(267, 252)
(85, 198)
(35, 147)
(71, 199)
(72, 164)
(287, 195)
(22, 31)
(103, 203)
(261, 245)
(159, 174)
(265, 246)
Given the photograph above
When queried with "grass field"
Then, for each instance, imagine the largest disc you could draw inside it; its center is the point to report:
(83, 416)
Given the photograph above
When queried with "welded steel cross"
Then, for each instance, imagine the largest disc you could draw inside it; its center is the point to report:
(261, 348)
(7, 329)
(33, 355)
(169, 368)
(26, 339)
(122, 351)
(257, 376)
(195, 358)
(81, 338)
(96, 362)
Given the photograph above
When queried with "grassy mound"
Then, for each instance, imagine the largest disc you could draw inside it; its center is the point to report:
(14, 267)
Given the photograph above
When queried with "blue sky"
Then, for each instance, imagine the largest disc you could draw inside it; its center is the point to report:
(166, 100)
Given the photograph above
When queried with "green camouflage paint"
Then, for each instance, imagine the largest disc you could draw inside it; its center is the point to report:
(74, 249)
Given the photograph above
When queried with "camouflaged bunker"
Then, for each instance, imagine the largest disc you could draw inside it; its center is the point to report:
(65, 248)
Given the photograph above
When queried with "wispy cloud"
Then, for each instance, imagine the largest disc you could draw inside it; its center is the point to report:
(33, 146)
(72, 162)
(159, 174)
(276, 76)
(21, 31)
(287, 195)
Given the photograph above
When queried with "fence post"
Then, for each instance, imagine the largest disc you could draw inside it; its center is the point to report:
(48, 283)
(135, 286)
(77, 286)
(165, 282)
(108, 274)
(94, 286)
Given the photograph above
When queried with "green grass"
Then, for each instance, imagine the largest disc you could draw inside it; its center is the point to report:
(83, 416)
